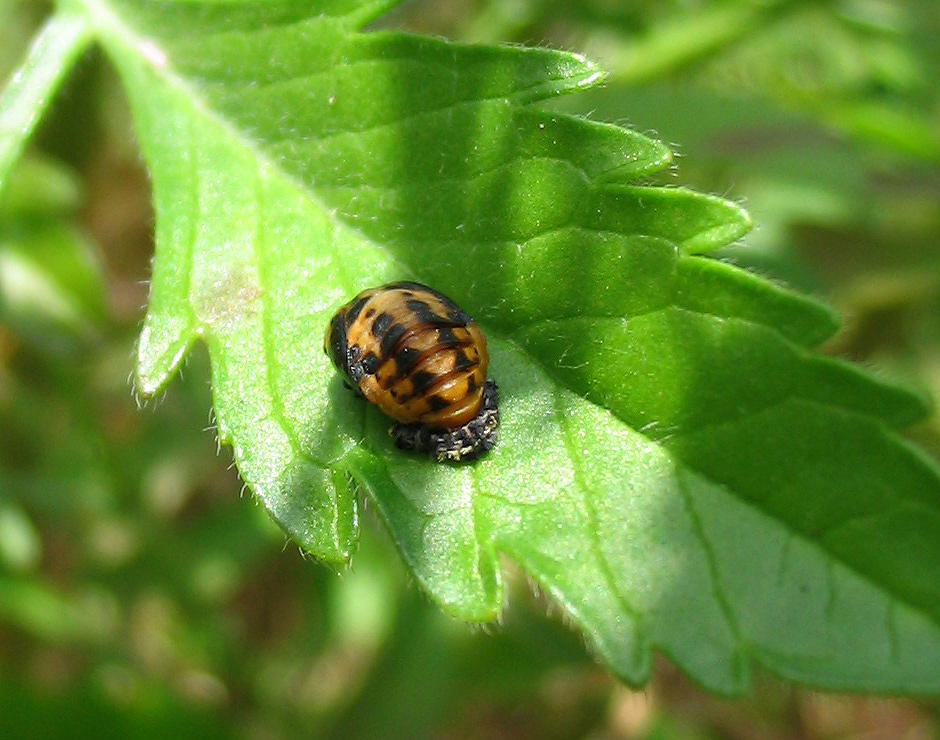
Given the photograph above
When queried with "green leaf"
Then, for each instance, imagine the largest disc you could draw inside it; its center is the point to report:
(26, 95)
(51, 283)
(675, 466)
(864, 69)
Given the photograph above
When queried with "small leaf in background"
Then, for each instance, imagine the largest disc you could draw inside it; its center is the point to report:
(27, 93)
(51, 283)
(20, 546)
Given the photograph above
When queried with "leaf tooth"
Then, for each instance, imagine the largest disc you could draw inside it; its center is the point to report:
(165, 340)
(603, 152)
(708, 286)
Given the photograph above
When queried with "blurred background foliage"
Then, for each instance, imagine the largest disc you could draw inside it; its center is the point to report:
(142, 596)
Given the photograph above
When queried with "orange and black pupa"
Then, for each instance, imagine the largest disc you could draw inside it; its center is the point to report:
(416, 355)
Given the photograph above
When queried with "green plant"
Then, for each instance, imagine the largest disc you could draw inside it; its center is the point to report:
(677, 467)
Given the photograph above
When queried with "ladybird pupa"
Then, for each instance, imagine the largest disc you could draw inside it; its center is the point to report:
(415, 354)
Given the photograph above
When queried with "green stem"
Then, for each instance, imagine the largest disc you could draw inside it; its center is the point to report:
(29, 90)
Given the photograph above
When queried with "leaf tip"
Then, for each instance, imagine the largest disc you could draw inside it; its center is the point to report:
(159, 354)
(729, 222)
(568, 71)
(659, 157)
(590, 74)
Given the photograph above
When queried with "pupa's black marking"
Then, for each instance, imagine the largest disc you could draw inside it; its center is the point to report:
(423, 312)
(421, 381)
(353, 312)
(445, 336)
(436, 403)
(370, 363)
(338, 343)
(405, 359)
(455, 315)
(387, 345)
(462, 362)
(381, 324)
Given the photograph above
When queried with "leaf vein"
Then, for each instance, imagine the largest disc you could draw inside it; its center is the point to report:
(698, 528)
(520, 95)
(462, 180)
(272, 367)
(591, 510)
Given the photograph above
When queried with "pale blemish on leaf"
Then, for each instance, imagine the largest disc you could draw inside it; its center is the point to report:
(233, 299)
